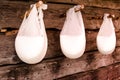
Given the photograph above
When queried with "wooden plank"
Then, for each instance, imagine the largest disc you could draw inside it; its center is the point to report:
(8, 54)
(12, 11)
(59, 67)
(11, 68)
(97, 3)
(111, 72)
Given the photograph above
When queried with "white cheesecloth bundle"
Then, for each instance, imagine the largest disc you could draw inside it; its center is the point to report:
(31, 41)
(72, 36)
(106, 38)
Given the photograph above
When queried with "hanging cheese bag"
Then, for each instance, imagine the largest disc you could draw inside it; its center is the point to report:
(106, 38)
(72, 36)
(31, 41)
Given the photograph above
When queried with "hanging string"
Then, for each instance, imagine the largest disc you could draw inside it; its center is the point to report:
(79, 7)
(113, 17)
(101, 17)
(76, 8)
(38, 4)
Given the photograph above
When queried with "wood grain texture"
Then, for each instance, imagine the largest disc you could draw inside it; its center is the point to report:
(111, 72)
(7, 48)
(58, 67)
(95, 3)
(55, 65)
(112, 4)
(8, 54)
(11, 12)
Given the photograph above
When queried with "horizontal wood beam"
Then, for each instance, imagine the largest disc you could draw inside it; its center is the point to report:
(8, 54)
(59, 67)
(54, 65)
(12, 12)
(111, 72)
(97, 3)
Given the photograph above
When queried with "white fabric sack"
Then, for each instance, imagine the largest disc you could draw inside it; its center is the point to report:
(31, 41)
(106, 38)
(72, 36)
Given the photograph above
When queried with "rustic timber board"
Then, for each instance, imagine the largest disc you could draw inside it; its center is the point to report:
(7, 48)
(11, 15)
(111, 72)
(8, 54)
(57, 67)
(51, 68)
(112, 4)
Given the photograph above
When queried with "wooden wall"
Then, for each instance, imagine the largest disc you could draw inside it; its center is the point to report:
(91, 66)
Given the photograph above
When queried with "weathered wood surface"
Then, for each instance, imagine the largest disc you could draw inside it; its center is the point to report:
(12, 68)
(55, 65)
(11, 12)
(59, 67)
(111, 72)
(112, 4)
(8, 54)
